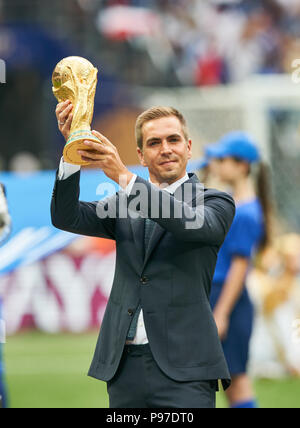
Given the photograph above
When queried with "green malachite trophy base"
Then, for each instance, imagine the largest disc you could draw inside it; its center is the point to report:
(75, 142)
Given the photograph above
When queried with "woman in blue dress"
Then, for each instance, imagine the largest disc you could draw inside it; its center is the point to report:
(237, 159)
(5, 227)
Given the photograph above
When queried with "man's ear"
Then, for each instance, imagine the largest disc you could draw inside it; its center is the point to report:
(141, 157)
(190, 149)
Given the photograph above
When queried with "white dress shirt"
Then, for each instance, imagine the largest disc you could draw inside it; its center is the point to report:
(65, 171)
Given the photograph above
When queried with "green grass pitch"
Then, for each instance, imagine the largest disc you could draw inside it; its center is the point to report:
(50, 371)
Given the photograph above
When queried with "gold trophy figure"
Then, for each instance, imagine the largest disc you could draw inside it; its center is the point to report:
(75, 79)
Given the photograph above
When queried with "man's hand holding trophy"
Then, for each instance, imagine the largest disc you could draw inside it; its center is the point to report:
(74, 86)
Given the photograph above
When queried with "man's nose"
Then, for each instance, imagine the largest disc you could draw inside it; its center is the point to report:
(165, 147)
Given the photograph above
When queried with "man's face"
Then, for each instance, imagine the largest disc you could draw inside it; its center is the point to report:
(230, 171)
(165, 150)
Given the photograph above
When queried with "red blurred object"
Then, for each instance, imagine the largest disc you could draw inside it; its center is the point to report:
(122, 23)
(103, 246)
(209, 70)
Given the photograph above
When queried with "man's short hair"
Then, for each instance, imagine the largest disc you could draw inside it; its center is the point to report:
(157, 113)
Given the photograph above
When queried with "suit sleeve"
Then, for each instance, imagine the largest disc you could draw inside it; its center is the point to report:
(71, 215)
(207, 220)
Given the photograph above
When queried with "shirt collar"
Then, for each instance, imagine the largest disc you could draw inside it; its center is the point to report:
(174, 186)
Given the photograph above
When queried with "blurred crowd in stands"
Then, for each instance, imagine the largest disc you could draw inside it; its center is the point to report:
(209, 42)
(157, 43)
(174, 42)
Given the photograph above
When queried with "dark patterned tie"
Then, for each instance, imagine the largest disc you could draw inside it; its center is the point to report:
(149, 226)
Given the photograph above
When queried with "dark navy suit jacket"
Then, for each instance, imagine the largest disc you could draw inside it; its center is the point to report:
(172, 281)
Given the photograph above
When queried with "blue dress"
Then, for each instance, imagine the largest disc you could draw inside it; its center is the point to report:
(246, 233)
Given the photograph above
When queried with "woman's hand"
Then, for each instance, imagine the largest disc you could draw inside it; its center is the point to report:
(222, 321)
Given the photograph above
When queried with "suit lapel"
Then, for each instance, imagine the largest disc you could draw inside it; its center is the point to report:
(156, 236)
(138, 226)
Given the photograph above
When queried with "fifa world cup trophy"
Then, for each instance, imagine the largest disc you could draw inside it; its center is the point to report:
(75, 79)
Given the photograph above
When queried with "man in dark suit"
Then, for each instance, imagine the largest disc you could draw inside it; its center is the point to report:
(158, 345)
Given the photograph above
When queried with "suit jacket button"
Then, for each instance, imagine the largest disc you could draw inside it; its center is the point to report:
(130, 312)
(144, 280)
